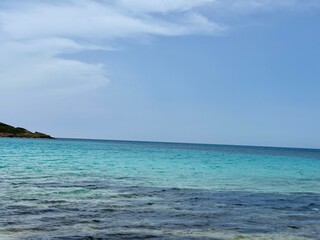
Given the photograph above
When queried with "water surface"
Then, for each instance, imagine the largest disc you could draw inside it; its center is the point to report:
(84, 189)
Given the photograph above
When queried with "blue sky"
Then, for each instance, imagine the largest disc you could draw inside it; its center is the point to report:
(208, 71)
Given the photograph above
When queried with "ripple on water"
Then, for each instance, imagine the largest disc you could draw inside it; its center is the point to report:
(151, 212)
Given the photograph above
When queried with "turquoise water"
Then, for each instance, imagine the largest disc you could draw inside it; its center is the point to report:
(84, 189)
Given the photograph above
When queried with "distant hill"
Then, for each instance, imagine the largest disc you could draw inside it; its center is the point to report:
(13, 132)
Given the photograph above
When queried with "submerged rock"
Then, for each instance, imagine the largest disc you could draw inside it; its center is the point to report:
(10, 131)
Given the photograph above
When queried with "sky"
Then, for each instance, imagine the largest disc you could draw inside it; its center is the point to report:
(240, 72)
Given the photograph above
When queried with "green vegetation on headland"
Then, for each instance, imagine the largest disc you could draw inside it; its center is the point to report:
(12, 132)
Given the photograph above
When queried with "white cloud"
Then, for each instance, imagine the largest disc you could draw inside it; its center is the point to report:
(35, 65)
(84, 19)
(34, 34)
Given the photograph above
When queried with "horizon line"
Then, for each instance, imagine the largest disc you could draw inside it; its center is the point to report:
(191, 143)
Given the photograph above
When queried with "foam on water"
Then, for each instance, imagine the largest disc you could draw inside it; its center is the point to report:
(79, 189)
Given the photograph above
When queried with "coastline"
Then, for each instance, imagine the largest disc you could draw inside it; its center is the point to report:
(9, 131)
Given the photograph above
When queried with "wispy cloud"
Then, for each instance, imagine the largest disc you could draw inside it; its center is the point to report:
(35, 34)
(162, 6)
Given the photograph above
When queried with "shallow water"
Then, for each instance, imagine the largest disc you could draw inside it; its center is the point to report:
(82, 189)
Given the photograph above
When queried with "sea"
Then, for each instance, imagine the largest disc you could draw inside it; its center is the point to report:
(92, 189)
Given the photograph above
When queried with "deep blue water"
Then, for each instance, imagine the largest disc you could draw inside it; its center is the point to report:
(86, 189)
